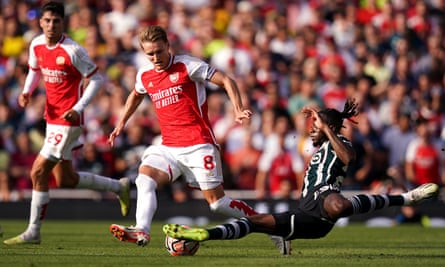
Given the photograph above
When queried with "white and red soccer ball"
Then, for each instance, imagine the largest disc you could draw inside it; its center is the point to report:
(178, 247)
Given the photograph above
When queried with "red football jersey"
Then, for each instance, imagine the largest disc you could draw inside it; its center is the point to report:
(425, 159)
(179, 96)
(63, 68)
(282, 170)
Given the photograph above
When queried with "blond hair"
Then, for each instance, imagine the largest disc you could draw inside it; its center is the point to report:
(153, 33)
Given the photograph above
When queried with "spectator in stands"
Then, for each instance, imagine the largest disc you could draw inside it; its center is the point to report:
(7, 127)
(311, 71)
(369, 168)
(144, 11)
(244, 162)
(118, 21)
(128, 154)
(234, 60)
(375, 66)
(419, 19)
(5, 184)
(13, 41)
(423, 164)
(343, 31)
(91, 161)
(431, 61)
(396, 139)
(307, 95)
(21, 163)
(402, 73)
(333, 91)
(282, 177)
(275, 144)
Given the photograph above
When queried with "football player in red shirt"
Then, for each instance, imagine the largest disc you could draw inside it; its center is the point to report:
(176, 85)
(63, 65)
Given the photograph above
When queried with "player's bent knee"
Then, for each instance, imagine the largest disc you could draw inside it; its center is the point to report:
(68, 182)
(145, 183)
(335, 205)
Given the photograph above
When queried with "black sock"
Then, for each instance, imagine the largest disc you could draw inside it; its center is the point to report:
(367, 203)
(233, 230)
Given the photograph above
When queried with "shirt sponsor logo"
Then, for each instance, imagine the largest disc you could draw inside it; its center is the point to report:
(53, 76)
(316, 158)
(166, 97)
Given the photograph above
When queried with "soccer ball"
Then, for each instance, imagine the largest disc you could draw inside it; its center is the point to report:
(178, 247)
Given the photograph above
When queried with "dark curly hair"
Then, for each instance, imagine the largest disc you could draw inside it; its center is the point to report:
(334, 118)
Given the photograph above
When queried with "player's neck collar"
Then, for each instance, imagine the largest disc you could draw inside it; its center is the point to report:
(62, 38)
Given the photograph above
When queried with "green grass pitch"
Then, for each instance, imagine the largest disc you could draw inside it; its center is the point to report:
(88, 243)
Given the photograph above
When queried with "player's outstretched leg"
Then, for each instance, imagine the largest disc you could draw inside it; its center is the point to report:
(130, 234)
(421, 193)
(188, 233)
(124, 196)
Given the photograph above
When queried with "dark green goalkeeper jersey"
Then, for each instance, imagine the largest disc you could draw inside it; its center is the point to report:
(325, 168)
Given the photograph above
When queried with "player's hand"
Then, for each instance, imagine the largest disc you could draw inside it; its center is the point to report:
(71, 116)
(115, 133)
(241, 115)
(309, 111)
(23, 100)
(312, 113)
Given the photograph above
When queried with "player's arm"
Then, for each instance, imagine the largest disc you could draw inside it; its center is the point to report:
(134, 99)
(223, 80)
(94, 84)
(31, 82)
(83, 63)
(343, 150)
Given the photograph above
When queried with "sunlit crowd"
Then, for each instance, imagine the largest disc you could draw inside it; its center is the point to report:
(388, 54)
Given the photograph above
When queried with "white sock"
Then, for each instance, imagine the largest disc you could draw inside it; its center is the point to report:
(96, 182)
(39, 203)
(146, 203)
(231, 207)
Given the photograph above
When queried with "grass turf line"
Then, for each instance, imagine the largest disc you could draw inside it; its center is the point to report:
(88, 243)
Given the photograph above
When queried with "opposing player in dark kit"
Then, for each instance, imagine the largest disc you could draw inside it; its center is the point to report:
(321, 203)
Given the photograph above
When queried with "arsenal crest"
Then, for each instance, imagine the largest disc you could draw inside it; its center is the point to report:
(60, 60)
(174, 77)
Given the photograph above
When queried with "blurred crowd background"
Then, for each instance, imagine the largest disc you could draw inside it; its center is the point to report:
(388, 54)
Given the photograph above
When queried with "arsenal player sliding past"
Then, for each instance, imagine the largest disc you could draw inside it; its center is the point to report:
(63, 64)
(176, 86)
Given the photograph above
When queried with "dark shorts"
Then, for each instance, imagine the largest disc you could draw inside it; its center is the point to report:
(308, 221)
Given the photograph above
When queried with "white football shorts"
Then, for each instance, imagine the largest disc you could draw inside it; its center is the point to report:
(199, 164)
(60, 141)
